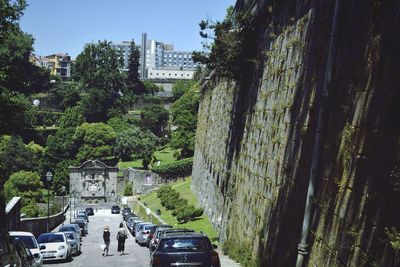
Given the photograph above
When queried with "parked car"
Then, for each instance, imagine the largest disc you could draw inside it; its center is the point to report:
(26, 256)
(83, 217)
(126, 211)
(143, 233)
(89, 211)
(81, 212)
(82, 225)
(138, 228)
(130, 223)
(156, 236)
(54, 246)
(191, 249)
(115, 209)
(71, 227)
(8, 252)
(73, 241)
(133, 228)
(31, 243)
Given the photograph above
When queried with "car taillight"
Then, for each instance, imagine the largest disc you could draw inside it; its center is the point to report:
(156, 261)
(214, 259)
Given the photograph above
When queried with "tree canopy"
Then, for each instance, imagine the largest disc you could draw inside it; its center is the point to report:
(184, 118)
(94, 141)
(155, 118)
(134, 84)
(99, 69)
(135, 143)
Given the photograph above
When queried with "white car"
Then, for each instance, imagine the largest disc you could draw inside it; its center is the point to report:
(30, 242)
(54, 246)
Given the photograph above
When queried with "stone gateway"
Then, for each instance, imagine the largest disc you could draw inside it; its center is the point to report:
(93, 182)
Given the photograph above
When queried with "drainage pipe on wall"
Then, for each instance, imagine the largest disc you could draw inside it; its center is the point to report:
(303, 247)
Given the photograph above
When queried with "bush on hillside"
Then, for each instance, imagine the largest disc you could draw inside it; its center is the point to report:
(180, 168)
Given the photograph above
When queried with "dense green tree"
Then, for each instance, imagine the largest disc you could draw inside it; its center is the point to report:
(184, 118)
(17, 156)
(100, 72)
(180, 87)
(152, 88)
(94, 141)
(71, 118)
(135, 143)
(17, 113)
(61, 175)
(60, 146)
(134, 84)
(119, 124)
(64, 94)
(155, 118)
(25, 184)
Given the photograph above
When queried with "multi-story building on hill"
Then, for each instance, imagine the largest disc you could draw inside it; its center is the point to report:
(158, 57)
(59, 64)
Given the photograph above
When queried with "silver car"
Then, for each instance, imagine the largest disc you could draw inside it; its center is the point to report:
(71, 227)
(74, 242)
(30, 242)
(142, 233)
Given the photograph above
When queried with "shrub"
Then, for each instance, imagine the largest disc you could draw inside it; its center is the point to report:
(178, 168)
(128, 189)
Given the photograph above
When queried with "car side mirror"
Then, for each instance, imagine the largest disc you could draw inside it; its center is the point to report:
(42, 247)
(214, 246)
(147, 232)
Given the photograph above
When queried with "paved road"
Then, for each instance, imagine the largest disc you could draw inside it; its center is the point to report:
(91, 250)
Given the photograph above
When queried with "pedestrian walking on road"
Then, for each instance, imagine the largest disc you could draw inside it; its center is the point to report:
(106, 238)
(121, 236)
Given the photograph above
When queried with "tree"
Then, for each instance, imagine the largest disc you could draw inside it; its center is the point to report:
(10, 11)
(133, 82)
(152, 88)
(72, 117)
(16, 156)
(180, 87)
(155, 118)
(119, 124)
(228, 53)
(184, 117)
(25, 184)
(66, 95)
(100, 72)
(94, 141)
(61, 175)
(135, 143)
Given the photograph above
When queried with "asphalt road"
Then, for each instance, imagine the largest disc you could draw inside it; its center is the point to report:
(91, 244)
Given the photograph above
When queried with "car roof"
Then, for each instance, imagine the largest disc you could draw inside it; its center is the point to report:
(178, 230)
(53, 233)
(20, 233)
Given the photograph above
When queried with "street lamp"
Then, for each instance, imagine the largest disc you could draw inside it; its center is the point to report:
(70, 206)
(49, 177)
(63, 189)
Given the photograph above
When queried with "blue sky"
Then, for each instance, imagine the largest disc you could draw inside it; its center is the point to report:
(65, 26)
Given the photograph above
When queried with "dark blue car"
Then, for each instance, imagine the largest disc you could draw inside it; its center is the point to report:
(192, 249)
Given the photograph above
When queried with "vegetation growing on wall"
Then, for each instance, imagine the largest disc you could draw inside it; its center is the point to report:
(227, 54)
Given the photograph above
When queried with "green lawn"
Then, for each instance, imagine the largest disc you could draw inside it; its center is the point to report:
(165, 155)
(130, 164)
(183, 187)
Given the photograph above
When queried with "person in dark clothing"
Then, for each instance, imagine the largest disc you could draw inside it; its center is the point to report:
(106, 238)
(121, 236)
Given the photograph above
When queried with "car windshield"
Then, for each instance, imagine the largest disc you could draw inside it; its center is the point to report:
(51, 238)
(29, 241)
(184, 244)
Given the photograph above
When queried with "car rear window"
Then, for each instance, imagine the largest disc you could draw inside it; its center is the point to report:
(51, 238)
(184, 244)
